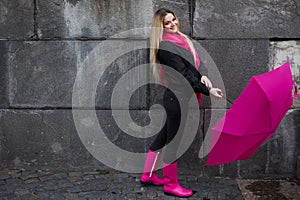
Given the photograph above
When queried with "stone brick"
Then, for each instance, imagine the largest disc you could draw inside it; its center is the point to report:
(57, 195)
(42, 73)
(298, 168)
(237, 61)
(61, 176)
(190, 159)
(17, 19)
(284, 146)
(43, 195)
(256, 165)
(3, 75)
(64, 183)
(21, 192)
(75, 174)
(282, 51)
(54, 26)
(51, 135)
(50, 138)
(47, 177)
(117, 70)
(96, 19)
(88, 177)
(74, 189)
(87, 187)
(246, 19)
(76, 180)
(28, 175)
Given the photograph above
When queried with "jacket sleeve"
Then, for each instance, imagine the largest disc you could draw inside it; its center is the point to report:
(176, 62)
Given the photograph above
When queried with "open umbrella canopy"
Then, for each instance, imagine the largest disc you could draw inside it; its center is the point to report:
(253, 118)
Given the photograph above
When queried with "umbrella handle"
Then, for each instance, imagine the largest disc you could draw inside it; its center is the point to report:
(229, 101)
(295, 91)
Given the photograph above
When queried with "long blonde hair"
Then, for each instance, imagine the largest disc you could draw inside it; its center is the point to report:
(156, 37)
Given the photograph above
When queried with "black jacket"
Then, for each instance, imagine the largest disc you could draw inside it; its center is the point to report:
(181, 60)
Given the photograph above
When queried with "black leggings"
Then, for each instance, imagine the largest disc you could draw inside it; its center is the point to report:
(171, 127)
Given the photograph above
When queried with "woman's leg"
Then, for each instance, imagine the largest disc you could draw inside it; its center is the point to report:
(176, 116)
(160, 140)
(164, 137)
(170, 128)
(149, 174)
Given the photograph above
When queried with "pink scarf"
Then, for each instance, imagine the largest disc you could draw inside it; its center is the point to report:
(180, 41)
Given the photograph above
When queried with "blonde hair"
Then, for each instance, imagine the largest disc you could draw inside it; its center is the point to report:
(156, 37)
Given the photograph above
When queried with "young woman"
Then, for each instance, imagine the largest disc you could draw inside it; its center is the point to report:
(171, 48)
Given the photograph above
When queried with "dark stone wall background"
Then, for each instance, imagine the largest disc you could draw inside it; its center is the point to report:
(42, 43)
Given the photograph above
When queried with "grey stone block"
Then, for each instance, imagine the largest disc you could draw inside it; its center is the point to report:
(298, 168)
(42, 74)
(123, 68)
(48, 139)
(284, 145)
(17, 19)
(102, 19)
(98, 19)
(3, 75)
(190, 159)
(256, 165)
(237, 61)
(277, 157)
(246, 19)
(42, 140)
(282, 51)
(50, 19)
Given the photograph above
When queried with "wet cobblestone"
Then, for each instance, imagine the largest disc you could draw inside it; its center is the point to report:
(92, 185)
(20, 184)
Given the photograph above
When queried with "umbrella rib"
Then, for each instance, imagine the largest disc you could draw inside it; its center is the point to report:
(252, 133)
(265, 94)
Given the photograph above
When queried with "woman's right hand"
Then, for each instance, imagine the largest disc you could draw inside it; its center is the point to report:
(216, 92)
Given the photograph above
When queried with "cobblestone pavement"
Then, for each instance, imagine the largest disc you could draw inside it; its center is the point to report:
(101, 184)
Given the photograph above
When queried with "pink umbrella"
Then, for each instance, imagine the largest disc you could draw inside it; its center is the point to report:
(253, 118)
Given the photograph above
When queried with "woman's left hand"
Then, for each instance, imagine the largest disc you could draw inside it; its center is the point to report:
(206, 81)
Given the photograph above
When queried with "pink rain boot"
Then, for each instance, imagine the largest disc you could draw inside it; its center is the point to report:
(171, 185)
(149, 175)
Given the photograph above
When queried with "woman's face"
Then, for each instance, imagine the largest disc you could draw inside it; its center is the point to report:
(170, 23)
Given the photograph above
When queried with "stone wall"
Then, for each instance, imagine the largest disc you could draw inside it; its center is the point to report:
(44, 43)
